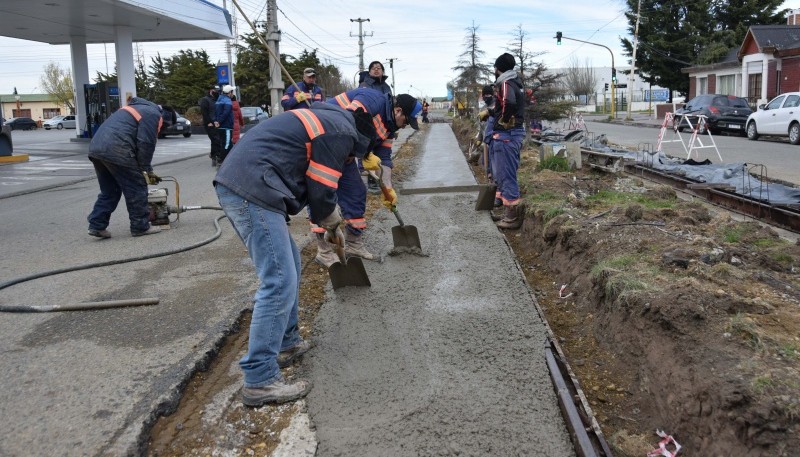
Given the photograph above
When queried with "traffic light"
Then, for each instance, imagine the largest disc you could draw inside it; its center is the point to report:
(614, 75)
(558, 38)
(605, 89)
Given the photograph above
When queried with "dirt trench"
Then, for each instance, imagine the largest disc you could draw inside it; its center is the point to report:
(674, 316)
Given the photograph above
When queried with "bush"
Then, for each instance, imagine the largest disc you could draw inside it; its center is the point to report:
(554, 163)
(194, 115)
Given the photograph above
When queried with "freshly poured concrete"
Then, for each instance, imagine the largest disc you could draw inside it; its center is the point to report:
(444, 354)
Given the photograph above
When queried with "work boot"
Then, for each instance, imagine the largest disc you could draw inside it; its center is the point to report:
(288, 356)
(354, 246)
(277, 392)
(496, 215)
(512, 217)
(100, 233)
(153, 229)
(325, 253)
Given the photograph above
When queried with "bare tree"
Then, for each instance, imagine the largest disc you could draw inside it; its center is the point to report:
(580, 79)
(472, 73)
(57, 83)
(525, 63)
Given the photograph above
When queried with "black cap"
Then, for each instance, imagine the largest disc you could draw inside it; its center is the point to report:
(505, 62)
(411, 108)
(376, 62)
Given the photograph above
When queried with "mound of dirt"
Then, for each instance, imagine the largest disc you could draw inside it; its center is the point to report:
(677, 317)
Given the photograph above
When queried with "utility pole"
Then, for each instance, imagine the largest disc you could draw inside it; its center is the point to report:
(361, 36)
(391, 66)
(632, 75)
(273, 39)
(232, 81)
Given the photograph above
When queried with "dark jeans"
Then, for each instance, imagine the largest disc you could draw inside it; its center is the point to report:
(214, 137)
(116, 181)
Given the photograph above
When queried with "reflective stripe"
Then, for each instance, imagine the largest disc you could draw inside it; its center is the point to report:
(316, 228)
(387, 144)
(357, 223)
(285, 97)
(133, 113)
(342, 100)
(355, 104)
(310, 122)
(514, 202)
(383, 134)
(323, 174)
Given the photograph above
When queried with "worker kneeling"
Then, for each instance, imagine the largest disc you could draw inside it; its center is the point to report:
(283, 164)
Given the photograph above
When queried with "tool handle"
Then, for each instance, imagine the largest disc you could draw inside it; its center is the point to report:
(340, 253)
(386, 194)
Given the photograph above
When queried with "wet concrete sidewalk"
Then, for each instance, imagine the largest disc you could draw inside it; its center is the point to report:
(444, 354)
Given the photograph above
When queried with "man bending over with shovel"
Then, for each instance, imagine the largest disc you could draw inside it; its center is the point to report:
(283, 164)
(388, 116)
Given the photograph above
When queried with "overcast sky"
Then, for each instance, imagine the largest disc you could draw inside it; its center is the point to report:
(425, 37)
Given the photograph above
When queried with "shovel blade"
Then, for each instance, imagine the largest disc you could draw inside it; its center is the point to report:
(406, 236)
(486, 196)
(351, 273)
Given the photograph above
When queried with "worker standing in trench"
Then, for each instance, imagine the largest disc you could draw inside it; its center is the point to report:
(508, 133)
(283, 164)
(387, 117)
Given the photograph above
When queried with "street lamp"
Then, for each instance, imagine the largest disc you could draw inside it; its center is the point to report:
(16, 97)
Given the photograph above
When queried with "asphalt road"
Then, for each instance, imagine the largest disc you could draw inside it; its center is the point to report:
(782, 160)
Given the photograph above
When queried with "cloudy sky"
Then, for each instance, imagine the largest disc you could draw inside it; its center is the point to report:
(425, 37)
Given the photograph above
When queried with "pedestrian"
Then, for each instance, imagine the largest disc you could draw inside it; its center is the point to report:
(375, 78)
(425, 107)
(238, 119)
(309, 92)
(284, 163)
(507, 135)
(122, 153)
(387, 117)
(223, 122)
(207, 104)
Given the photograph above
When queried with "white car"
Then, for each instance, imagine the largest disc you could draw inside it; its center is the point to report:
(779, 117)
(60, 122)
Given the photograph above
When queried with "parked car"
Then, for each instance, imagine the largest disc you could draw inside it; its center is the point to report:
(181, 126)
(723, 113)
(60, 122)
(6, 145)
(254, 114)
(779, 117)
(21, 123)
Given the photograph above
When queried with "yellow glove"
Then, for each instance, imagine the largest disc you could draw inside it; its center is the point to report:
(371, 162)
(483, 115)
(508, 125)
(390, 200)
(300, 97)
(151, 178)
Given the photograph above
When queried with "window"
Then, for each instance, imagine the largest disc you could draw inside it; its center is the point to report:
(792, 101)
(21, 112)
(49, 113)
(775, 103)
(753, 88)
(726, 85)
(702, 86)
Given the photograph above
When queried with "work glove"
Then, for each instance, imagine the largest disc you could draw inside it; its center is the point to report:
(371, 162)
(483, 115)
(507, 124)
(300, 97)
(151, 178)
(332, 225)
(477, 142)
(389, 198)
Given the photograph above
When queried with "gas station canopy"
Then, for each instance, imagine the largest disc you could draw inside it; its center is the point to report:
(55, 21)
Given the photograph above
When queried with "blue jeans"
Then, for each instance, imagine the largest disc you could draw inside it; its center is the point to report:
(276, 258)
(116, 181)
(505, 149)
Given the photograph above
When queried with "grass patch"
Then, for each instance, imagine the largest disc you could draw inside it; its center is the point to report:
(745, 328)
(762, 383)
(767, 242)
(619, 263)
(552, 213)
(554, 163)
(782, 257)
(789, 351)
(612, 197)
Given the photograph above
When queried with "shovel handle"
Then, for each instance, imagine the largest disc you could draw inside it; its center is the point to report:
(386, 194)
(340, 253)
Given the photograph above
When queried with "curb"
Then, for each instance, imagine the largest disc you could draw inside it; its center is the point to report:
(14, 158)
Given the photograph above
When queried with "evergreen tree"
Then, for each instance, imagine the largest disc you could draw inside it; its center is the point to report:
(673, 34)
(472, 74)
(188, 76)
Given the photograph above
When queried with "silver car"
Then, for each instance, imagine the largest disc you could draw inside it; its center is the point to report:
(60, 122)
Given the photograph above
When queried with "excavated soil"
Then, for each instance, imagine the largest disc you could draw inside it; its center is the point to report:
(674, 316)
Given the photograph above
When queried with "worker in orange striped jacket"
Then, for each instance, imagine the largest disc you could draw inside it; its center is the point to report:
(283, 164)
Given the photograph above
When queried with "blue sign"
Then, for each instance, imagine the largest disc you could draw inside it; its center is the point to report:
(449, 93)
(656, 95)
(223, 74)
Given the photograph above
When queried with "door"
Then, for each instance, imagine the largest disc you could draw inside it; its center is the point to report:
(769, 123)
(784, 115)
